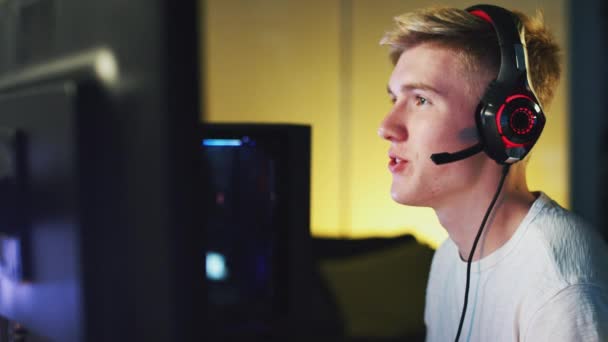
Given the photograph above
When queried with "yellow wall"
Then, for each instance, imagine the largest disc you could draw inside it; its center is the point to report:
(319, 62)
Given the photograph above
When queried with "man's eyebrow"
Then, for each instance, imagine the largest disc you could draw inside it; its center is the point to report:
(413, 86)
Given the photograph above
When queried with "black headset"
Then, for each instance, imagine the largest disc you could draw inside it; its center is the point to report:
(509, 116)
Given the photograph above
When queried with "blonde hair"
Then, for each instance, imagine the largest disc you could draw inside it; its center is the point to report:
(475, 42)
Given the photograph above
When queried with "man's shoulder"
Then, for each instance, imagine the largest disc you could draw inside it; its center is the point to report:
(558, 227)
(550, 213)
(576, 251)
(576, 313)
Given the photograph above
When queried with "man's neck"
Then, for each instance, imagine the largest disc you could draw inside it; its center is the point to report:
(463, 217)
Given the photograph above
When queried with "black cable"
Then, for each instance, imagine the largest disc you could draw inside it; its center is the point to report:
(505, 171)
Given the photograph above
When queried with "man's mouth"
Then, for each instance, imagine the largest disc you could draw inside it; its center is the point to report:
(396, 165)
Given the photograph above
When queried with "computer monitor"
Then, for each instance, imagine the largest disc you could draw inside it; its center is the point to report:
(99, 112)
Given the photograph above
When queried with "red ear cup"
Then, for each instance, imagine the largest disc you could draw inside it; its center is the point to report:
(509, 125)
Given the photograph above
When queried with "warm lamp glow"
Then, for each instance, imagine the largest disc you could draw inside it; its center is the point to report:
(295, 72)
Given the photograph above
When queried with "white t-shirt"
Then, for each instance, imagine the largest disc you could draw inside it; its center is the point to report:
(549, 282)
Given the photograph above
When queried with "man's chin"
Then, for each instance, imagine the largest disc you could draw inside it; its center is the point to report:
(405, 199)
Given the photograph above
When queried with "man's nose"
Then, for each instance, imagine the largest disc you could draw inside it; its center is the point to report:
(393, 128)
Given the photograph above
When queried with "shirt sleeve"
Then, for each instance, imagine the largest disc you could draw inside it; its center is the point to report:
(577, 313)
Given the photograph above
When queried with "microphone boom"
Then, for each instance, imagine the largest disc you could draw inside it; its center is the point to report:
(445, 157)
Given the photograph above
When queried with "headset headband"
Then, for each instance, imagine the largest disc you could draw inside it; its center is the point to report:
(509, 32)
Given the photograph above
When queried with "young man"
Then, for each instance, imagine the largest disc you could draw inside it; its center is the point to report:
(538, 273)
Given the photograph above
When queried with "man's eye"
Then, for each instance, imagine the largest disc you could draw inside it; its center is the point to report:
(421, 101)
